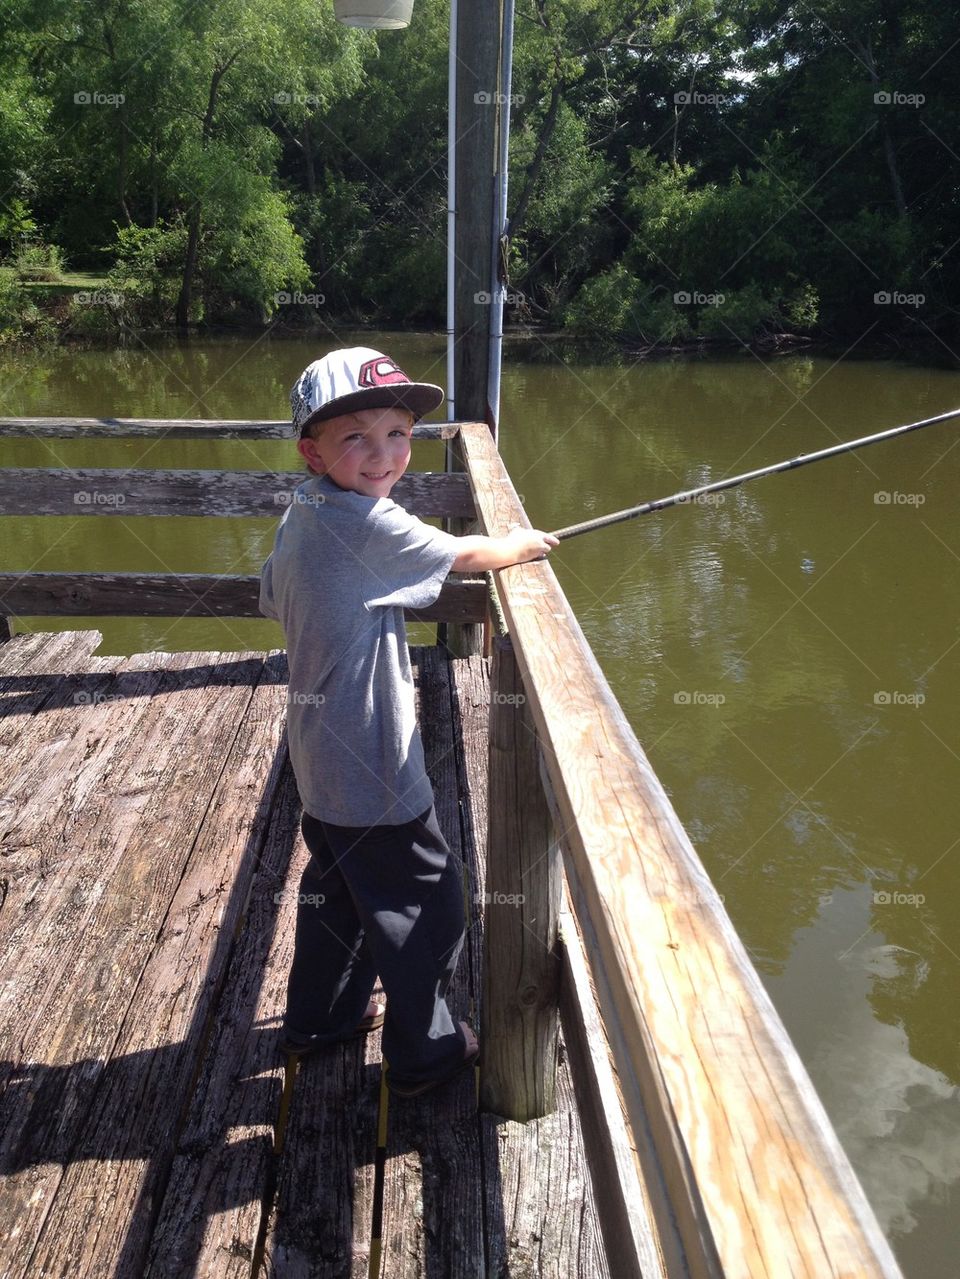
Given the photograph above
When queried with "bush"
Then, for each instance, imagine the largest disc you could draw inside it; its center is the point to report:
(618, 305)
(20, 316)
(39, 261)
(147, 273)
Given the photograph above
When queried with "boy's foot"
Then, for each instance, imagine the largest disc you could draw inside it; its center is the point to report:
(291, 1042)
(471, 1054)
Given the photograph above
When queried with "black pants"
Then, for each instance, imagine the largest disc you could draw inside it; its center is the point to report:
(384, 900)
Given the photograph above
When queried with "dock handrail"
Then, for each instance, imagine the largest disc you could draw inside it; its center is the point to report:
(756, 1182)
(129, 492)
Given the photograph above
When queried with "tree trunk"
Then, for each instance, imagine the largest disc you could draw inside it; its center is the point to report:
(189, 267)
(309, 169)
(196, 214)
(889, 153)
(536, 164)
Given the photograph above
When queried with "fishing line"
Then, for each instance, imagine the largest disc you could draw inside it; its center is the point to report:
(690, 495)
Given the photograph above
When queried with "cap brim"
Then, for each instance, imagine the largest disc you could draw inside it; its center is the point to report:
(419, 397)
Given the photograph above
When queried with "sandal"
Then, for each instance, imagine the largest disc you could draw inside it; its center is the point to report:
(300, 1045)
(417, 1090)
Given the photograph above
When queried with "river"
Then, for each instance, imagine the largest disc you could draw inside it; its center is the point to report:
(788, 654)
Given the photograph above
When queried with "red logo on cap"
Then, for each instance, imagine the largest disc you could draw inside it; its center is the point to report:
(381, 372)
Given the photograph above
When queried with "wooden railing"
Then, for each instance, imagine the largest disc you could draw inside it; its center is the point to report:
(710, 1152)
(129, 493)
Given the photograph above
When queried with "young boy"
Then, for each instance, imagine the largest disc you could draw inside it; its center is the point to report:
(381, 894)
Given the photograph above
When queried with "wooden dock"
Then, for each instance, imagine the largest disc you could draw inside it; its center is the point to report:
(151, 859)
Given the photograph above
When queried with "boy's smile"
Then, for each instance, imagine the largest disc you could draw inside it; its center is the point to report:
(364, 452)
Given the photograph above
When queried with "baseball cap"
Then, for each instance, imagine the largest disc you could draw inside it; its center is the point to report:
(355, 378)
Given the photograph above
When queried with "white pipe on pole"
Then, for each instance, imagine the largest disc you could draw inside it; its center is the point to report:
(498, 287)
(451, 206)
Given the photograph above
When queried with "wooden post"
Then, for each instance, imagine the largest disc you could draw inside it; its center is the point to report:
(460, 639)
(521, 908)
(478, 55)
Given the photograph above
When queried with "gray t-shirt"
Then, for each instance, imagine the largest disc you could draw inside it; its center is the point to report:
(342, 569)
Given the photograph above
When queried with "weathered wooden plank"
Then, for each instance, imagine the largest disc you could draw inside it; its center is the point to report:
(185, 595)
(622, 1198)
(756, 1176)
(461, 640)
(521, 908)
(129, 842)
(117, 491)
(26, 658)
(62, 735)
(211, 1216)
(541, 1219)
(179, 428)
(154, 1059)
(320, 1225)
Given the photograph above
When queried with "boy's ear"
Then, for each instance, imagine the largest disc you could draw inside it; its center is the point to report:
(307, 448)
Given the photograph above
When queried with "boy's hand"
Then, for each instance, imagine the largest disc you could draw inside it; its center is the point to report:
(478, 553)
(529, 544)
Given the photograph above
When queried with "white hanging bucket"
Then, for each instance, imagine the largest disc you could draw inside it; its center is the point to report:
(387, 14)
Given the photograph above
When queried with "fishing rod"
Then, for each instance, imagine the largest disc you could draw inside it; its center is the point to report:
(690, 495)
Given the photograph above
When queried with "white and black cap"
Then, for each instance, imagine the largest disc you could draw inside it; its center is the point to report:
(355, 378)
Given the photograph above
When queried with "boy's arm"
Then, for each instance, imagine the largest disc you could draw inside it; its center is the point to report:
(519, 546)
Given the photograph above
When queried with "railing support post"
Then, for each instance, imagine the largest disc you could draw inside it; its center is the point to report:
(521, 972)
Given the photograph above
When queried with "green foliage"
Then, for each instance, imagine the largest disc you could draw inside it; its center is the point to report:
(35, 260)
(21, 318)
(695, 148)
(249, 264)
(16, 224)
(146, 275)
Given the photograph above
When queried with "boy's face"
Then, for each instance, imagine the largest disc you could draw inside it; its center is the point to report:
(365, 452)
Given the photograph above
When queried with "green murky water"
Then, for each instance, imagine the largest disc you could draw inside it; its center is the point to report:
(788, 654)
